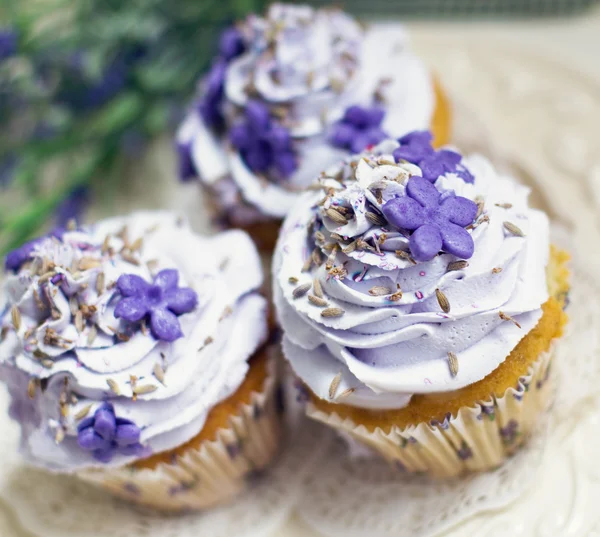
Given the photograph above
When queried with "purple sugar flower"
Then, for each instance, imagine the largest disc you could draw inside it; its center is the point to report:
(104, 435)
(231, 44)
(263, 143)
(209, 106)
(359, 128)
(416, 147)
(186, 168)
(436, 220)
(15, 259)
(161, 301)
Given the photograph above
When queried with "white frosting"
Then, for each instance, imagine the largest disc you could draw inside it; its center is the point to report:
(330, 45)
(225, 272)
(387, 350)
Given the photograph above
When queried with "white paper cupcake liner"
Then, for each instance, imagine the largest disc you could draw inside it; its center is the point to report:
(213, 473)
(478, 438)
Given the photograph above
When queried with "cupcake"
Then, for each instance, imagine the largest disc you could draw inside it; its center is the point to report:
(289, 94)
(118, 354)
(420, 300)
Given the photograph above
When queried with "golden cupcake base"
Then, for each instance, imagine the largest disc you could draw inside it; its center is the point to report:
(239, 439)
(452, 429)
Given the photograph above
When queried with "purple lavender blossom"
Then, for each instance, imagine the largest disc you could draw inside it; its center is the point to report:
(161, 301)
(437, 221)
(105, 435)
(359, 128)
(8, 43)
(80, 93)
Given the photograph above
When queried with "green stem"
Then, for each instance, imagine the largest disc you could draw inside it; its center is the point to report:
(21, 225)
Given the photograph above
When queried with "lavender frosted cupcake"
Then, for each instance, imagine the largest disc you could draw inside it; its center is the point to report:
(420, 300)
(118, 353)
(289, 94)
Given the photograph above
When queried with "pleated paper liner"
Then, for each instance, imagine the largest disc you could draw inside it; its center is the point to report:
(476, 439)
(213, 473)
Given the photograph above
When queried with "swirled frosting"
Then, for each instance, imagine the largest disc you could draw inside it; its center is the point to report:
(383, 323)
(69, 361)
(307, 67)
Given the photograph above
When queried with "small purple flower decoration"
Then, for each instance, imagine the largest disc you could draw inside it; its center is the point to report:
(161, 301)
(105, 435)
(186, 169)
(263, 143)
(231, 44)
(436, 220)
(15, 259)
(359, 128)
(416, 148)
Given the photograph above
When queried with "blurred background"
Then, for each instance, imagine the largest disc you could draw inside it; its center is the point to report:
(86, 85)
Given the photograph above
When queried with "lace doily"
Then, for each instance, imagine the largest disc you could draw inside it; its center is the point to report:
(56, 506)
(538, 115)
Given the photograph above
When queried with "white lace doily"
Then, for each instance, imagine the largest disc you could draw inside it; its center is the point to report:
(57, 506)
(539, 116)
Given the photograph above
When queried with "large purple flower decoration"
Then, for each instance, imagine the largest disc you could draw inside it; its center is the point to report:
(416, 148)
(263, 143)
(15, 259)
(436, 220)
(161, 301)
(359, 128)
(104, 435)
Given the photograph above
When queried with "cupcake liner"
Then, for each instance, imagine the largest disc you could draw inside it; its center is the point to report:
(213, 473)
(478, 438)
